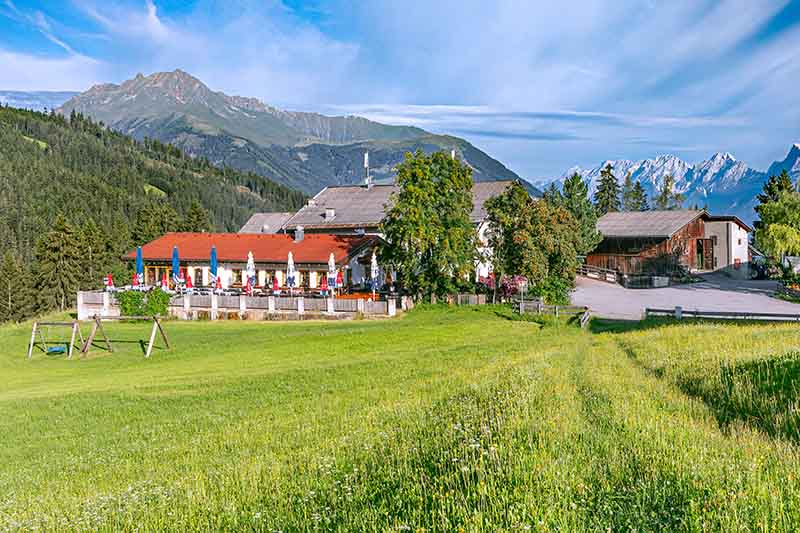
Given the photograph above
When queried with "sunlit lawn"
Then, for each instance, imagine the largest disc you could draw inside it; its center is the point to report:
(443, 419)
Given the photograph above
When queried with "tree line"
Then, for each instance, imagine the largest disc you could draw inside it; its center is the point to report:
(778, 227)
(630, 196)
(76, 196)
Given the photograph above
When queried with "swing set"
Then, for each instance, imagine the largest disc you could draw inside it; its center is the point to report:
(41, 330)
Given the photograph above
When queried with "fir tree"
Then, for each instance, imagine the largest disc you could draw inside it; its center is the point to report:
(638, 198)
(58, 255)
(606, 198)
(153, 221)
(552, 194)
(627, 192)
(773, 188)
(667, 199)
(16, 295)
(576, 201)
(96, 254)
(196, 219)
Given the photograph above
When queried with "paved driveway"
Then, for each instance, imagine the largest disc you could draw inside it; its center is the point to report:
(715, 293)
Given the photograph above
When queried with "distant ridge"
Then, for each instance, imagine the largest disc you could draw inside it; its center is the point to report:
(306, 151)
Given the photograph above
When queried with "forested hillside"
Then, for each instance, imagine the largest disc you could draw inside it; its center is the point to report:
(79, 195)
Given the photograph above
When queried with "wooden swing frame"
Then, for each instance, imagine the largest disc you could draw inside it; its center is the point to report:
(37, 328)
(97, 326)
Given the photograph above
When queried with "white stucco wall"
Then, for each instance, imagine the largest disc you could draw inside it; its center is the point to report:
(731, 244)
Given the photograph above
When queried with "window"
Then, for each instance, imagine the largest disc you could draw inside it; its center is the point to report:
(740, 242)
(714, 240)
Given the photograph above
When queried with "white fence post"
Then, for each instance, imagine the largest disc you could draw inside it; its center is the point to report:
(82, 314)
(242, 305)
(678, 312)
(106, 303)
(187, 306)
(329, 305)
(391, 306)
(301, 305)
(271, 304)
(213, 306)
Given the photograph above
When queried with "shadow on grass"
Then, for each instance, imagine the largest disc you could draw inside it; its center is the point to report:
(761, 393)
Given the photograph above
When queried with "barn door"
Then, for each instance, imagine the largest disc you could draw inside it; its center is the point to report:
(705, 254)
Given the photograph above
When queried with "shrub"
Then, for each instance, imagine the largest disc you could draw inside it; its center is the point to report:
(138, 303)
(555, 291)
(157, 302)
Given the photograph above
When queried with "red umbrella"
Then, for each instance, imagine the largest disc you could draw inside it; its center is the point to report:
(248, 289)
(339, 279)
(323, 286)
(135, 281)
(189, 284)
(275, 287)
(164, 281)
(219, 283)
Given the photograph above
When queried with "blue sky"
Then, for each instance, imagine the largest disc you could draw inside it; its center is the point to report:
(541, 86)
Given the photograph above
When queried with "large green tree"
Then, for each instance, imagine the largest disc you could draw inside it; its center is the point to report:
(779, 231)
(16, 294)
(96, 254)
(606, 197)
(153, 221)
(638, 198)
(197, 219)
(534, 239)
(432, 242)
(667, 199)
(59, 262)
(775, 186)
(575, 199)
(552, 194)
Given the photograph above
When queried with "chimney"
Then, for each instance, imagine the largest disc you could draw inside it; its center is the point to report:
(368, 179)
(330, 213)
(298, 234)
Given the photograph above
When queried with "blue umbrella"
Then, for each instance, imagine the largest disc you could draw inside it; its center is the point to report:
(139, 265)
(213, 266)
(176, 266)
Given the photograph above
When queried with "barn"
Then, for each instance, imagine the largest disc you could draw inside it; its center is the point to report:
(670, 242)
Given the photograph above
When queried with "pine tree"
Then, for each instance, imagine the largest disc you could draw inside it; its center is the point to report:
(196, 219)
(606, 198)
(96, 252)
(58, 255)
(773, 188)
(638, 198)
(552, 194)
(155, 220)
(627, 192)
(667, 199)
(16, 295)
(576, 201)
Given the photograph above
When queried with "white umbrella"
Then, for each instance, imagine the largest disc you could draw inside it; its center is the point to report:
(373, 271)
(290, 273)
(331, 272)
(251, 268)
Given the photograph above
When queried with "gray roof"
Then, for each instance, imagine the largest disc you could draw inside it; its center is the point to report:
(265, 223)
(359, 206)
(652, 224)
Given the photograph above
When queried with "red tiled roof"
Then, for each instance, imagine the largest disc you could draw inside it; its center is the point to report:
(266, 248)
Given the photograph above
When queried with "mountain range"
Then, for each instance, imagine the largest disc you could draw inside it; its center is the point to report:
(722, 183)
(305, 151)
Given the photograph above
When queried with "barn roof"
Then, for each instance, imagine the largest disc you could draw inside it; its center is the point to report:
(265, 223)
(266, 247)
(358, 206)
(646, 224)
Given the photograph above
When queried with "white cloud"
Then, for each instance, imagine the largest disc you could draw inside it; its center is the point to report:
(24, 72)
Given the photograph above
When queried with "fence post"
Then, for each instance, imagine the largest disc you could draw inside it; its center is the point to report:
(360, 306)
(242, 306)
(106, 303)
(214, 306)
(329, 307)
(187, 305)
(522, 307)
(391, 306)
(678, 312)
(301, 305)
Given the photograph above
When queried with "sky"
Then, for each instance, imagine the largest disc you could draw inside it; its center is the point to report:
(541, 86)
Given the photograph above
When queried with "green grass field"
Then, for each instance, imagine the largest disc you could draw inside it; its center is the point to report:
(442, 420)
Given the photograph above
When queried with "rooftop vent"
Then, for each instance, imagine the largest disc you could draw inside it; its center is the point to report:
(299, 234)
(330, 214)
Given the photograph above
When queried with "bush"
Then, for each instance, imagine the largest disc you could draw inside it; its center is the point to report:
(554, 291)
(138, 303)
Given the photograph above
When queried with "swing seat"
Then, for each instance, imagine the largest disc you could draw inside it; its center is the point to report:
(56, 349)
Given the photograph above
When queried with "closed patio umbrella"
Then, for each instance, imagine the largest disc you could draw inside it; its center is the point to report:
(164, 282)
(189, 284)
(251, 270)
(176, 268)
(290, 273)
(276, 289)
(332, 271)
(139, 267)
(373, 272)
(213, 268)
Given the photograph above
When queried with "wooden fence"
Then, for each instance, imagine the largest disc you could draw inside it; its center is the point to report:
(603, 274)
(680, 313)
(537, 306)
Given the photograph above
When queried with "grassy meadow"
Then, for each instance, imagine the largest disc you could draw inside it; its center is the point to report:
(445, 419)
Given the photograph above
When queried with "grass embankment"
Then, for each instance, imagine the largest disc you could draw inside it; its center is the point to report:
(446, 418)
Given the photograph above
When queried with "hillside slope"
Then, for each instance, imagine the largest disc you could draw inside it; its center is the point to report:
(302, 150)
(49, 166)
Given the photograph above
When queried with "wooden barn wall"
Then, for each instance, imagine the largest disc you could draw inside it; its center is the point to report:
(684, 242)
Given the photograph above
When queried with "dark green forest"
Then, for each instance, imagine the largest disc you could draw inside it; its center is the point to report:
(75, 196)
